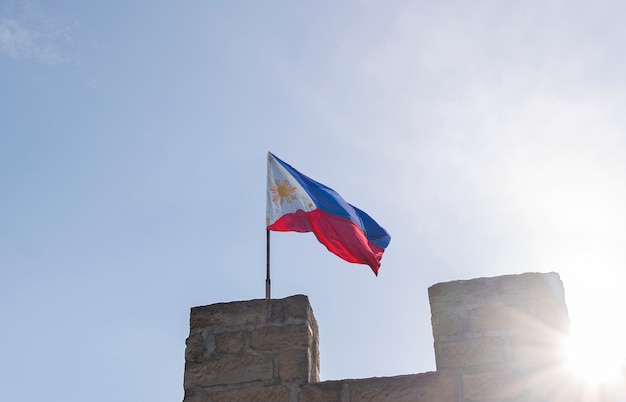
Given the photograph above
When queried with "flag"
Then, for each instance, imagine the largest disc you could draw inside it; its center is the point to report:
(296, 203)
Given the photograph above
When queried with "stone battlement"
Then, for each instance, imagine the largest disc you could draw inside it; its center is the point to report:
(495, 340)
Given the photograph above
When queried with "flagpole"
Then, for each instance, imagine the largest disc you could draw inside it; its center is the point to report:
(268, 292)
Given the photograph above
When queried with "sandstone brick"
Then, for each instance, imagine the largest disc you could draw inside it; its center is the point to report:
(497, 318)
(278, 337)
(229, 342)
(493, 385)
(555, 384)
(195, 350)
(448, 323)
(328, 391)
(315, 365)
(530, 285)
(461, 295)
(229, 314)
(277, 311)
(515, 288)
(436, 387)
(276, 393)
(428, 387)
(314, 349)
(536, 349)
(507, 289)
(234, 370)
(297, 307)
(295, 366)
(470, 352)
(550, 312)
(195, 395)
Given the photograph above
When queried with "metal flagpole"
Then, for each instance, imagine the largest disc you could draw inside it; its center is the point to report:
(268, 291)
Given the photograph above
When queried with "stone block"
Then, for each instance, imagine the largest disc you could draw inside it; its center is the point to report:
(297, 307)
(537, 349)
(275, 393)
(233, 314)
(497, 318)
(530, 285)
(493, 385)
(556, 384)
(507, 289)
(195, 351)
(280, 337)
(295, 366)
(484, 351)
(195, 395)
(448, 323)
(233, 370)
(328, 391)
(428, 387)
(277, 311)
(551, 313)
(314, 348)
(461, 295)
(292, 309)
(229, 342)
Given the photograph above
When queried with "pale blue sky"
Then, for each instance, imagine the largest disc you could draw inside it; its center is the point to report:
(487, 137)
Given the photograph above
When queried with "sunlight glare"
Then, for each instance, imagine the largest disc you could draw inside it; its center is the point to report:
(596, 351)
(594, 359)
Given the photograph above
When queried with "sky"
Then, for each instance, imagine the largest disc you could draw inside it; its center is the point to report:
(487, 137)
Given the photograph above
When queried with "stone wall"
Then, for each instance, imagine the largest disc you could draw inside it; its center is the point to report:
(261, 350)
(495, 340)
(501, 337)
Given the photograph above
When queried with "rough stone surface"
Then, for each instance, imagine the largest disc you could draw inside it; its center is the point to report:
(539, 348)
(552, 312)
(492, 385)
(448, 323)
(298, 307)
(460, 295)
(293, 308)
(195, 351)
(429, 387)
(470, 352)
(233, 370)
(229, 342)
(195, 395)
(229, 314)
(275, 393)
(507, 289)
(294, 365)
(328, 391)
(496, 318)
(276, 337)
(484, 323)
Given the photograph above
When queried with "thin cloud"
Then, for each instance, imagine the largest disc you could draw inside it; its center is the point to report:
(34, 36)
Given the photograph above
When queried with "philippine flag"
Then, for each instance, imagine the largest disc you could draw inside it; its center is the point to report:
(296, 203)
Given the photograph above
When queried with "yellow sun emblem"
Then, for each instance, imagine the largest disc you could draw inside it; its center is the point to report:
(283, 191)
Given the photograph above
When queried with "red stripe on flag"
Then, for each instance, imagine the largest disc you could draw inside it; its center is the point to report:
(340, 235)
(294, 222)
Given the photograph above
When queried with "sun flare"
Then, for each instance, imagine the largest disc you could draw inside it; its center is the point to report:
(595, 349)
(594, 359)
